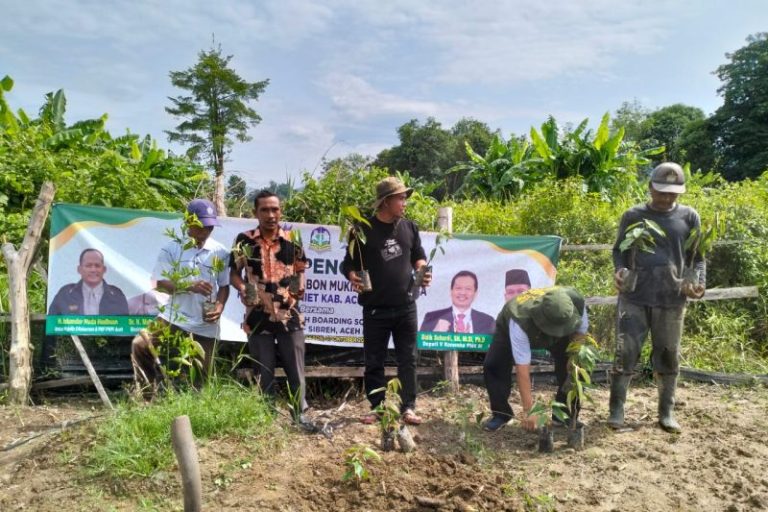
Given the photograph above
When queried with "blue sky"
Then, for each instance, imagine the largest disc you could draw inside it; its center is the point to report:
(344, 74)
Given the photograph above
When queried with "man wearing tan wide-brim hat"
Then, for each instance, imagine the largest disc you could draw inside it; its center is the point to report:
(389, 187)
(391, 253)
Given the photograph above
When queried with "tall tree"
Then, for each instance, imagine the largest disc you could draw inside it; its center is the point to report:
(665, 127)
(742, 121)
(479, 137)
(215, 113)
(630, 116)
(426, 150)
(696, 145)
(352, 162)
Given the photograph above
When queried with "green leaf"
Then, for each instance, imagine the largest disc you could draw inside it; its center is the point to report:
(6, 83)
(602, 132)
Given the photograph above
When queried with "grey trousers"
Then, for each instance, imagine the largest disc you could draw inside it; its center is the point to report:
(634, 323)
(264, 351)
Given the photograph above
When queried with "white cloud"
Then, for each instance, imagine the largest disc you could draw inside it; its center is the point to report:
(356, 98)
(520, 40)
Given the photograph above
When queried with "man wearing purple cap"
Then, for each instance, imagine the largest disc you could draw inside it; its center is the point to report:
(184, 310)
(657, 304)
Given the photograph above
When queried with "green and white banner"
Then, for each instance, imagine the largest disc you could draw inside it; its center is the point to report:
(477, 266)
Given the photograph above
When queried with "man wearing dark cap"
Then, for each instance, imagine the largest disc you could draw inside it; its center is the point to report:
(541, 318)
(515, 282)
(391, 253)
(657, 304)
(184, 310)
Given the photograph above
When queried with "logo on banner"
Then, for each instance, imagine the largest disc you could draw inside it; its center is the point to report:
(320, 240)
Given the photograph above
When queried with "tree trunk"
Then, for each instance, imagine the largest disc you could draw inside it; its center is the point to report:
(19, 263)
(219, 188)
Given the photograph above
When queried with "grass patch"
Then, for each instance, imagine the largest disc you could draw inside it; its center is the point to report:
(136, 441)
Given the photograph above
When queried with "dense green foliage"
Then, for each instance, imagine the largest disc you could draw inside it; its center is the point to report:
(87, 165)
(136, 441)
(741, 123)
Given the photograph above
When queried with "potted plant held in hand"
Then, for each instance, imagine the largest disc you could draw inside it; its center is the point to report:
(637, 237)
(243, 254)
(418, 277)
(350, 221)
(294, 285)
(699, 243)
(209, 304)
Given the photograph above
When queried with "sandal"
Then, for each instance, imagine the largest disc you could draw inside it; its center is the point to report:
(410, 417)
(369, 419)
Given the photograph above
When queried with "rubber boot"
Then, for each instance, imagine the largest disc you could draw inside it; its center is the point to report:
(667, 385)
(619, 385)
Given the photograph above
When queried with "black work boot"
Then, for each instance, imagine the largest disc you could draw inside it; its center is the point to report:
(667, 385)
(619, 385)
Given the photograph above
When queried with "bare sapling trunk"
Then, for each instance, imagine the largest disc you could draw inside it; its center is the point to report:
(19, 263)
(451, 357)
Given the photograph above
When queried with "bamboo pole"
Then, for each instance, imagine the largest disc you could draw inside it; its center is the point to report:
(91, 371)
(451, 357)
(186, 454)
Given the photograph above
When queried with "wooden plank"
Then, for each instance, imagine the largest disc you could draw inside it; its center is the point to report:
(391, 371)
(587, 247)
(740, 292)
(608, 247)
(60, 383)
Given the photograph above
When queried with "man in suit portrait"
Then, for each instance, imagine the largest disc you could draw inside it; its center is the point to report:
(460, 317)
(92, 295)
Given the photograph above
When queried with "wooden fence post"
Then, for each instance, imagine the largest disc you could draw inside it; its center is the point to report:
(18, 263)
(186, 454)
(451, 357)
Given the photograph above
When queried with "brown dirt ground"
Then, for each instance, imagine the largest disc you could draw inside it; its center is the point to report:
(719, 462)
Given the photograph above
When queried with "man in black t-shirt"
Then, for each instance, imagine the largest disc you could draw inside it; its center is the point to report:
(391, 253)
